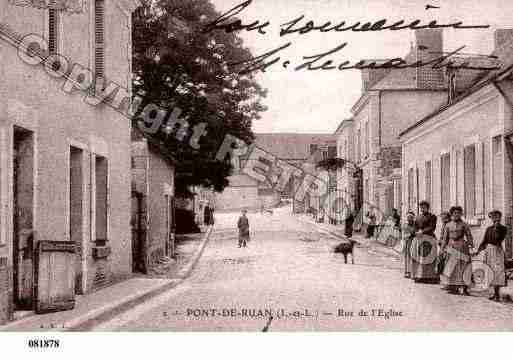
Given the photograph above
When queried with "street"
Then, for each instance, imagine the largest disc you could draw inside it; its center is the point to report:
(289, 271)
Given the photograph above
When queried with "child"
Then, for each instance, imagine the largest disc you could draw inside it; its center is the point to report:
(243, 225)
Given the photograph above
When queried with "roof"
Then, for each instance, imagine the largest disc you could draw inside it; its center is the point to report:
(343, 124)
(292, 146)
(480, 80)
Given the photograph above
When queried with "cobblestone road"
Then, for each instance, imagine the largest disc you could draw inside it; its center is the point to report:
(289, 270)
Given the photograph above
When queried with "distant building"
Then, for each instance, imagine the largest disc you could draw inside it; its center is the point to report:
(462, 153)
(296, 149)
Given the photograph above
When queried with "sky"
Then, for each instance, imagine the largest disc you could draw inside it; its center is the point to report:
(317, 101)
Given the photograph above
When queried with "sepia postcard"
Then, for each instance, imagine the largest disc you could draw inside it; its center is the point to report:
(255, 166)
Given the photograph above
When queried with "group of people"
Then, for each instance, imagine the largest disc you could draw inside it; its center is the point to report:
(449, 260)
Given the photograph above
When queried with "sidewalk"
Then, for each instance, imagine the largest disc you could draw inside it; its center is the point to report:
(104, 304)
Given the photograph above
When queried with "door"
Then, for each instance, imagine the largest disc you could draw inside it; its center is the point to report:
(137, 233)
(76, 215)
(23, 206)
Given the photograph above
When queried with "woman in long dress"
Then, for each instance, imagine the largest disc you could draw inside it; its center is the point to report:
(424, 247)
(408, 235)
(494, 254)
(457, 244)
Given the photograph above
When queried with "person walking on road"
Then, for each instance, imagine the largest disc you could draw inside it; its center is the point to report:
(371, 225)
(348, 224)
(424, 246)
(243, 225)
(494, 254)
(457, 252)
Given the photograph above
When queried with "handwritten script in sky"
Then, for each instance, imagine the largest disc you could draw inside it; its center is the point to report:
(301, 26)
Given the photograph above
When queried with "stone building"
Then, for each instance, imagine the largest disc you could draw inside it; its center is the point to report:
(63, 161)
(153, 203)
(391, 100)
(293, 148)
(462, 153)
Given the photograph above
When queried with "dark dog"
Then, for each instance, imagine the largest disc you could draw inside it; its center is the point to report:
(346, 248)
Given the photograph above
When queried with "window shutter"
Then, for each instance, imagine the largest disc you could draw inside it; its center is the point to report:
(470, 181)
(453, 177)
(428, 182)
(445, 174)
(99, 32)
(479, 179)
(435, 184)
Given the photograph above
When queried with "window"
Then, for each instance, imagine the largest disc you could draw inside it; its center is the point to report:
(313, 148)
(428, 182)
(53, 31)
(332, 151)
(445, 176)
(470, 180)
(99, 38)
(497, 145)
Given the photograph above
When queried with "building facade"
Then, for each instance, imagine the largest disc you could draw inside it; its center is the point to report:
(462, 153)
(391, 100)
(153, 203)
(63, 162)
(294, 148)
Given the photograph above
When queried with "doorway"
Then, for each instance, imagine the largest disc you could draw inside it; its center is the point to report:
(138, 233)
(76, 212)
(23, 218)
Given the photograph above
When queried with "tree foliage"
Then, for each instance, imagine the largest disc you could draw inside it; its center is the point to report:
(177, 64)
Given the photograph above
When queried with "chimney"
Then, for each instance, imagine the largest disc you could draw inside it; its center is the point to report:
(429, 46)
(370, 77)
(502, 36)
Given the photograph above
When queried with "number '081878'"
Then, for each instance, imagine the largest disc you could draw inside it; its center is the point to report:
(43, 343)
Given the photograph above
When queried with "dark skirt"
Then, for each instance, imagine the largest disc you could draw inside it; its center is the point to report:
(424, 260)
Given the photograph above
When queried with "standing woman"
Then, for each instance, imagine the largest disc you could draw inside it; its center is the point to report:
(494, 254)
(424, 246)
(408, 235)
(457, 244)
(445, 218)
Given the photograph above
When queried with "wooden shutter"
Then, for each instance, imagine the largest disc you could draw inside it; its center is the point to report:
(99, 38)
(479, 179)
(470, 180)
(445, 174)
(428, 182)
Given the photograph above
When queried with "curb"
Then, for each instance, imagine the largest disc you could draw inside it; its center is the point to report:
(186, 271)
(88, 321)
(97, 316)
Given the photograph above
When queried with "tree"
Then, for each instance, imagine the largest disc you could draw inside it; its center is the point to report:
(177, 64)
